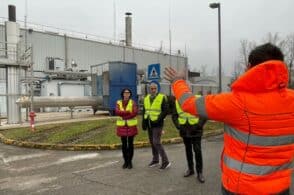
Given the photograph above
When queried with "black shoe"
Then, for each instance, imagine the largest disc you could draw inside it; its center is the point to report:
(125, 165)
(188, 173)
(165, 165)
(200, 178)
(130, 165)
(153, 163)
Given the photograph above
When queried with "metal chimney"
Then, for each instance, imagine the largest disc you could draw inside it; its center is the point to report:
(11, 13)
(12, 33)
(128, 29)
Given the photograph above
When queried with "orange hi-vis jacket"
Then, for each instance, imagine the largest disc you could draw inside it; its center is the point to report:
(259, 128)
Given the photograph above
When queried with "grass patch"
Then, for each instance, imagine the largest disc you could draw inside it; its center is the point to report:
(101, 131)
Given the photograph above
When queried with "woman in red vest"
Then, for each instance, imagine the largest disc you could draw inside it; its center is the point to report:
(259, 124)
(127, 110)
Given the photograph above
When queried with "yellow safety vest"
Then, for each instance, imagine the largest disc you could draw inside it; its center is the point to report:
(153, 110)
(184, 116)
(129, 122)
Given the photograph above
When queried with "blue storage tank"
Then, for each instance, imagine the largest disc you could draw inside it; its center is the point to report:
(112, 77)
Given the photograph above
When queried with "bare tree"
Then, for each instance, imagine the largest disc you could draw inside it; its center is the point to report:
(276, 40)
(289, 55)
(287, 47)
(213, 72)
(238, 69)
(245, 49)
(244, 52)
(240, 65)
(203, 71)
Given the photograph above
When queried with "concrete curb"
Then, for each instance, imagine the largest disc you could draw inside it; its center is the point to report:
(77, 147)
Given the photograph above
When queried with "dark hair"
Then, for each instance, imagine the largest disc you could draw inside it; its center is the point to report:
(122, 92)
(264, 53)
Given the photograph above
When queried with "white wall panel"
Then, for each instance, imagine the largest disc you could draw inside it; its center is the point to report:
(2, 74)
(45, 45)
(86, 52)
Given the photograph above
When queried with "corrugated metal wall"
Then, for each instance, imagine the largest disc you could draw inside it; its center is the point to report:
(2, 39)
(86, 52)
(44, 45)
(2, 98)
(2, 53)
(2, 33)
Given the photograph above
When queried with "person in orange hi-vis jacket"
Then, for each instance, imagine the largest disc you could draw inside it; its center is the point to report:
(258, 114)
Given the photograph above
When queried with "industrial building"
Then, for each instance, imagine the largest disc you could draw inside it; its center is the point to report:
(38, 62)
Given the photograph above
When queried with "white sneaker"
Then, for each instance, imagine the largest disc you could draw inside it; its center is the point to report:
(165, 165)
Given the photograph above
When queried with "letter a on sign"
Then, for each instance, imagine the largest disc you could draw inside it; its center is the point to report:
(153, 74)
(153, 71)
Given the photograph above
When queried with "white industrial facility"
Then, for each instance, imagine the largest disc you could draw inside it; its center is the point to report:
(59, 64)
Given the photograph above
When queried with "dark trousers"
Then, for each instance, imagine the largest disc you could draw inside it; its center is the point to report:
(127, 148)
(154, 135)
(195, 143)
(226, 192)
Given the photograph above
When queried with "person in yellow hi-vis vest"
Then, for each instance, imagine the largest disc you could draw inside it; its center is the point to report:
(191, 129)
(154, 111)
(126, 124)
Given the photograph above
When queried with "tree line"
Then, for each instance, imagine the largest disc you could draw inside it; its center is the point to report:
(285, 43)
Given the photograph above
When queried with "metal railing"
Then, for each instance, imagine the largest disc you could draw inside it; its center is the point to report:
(15, 54)
(93, 37)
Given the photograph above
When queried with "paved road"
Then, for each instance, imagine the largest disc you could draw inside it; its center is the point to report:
(29, 171)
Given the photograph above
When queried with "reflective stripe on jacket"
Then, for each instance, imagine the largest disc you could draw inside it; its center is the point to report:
(259, 135)
(129, 122)
(153, 110)
(184, 116)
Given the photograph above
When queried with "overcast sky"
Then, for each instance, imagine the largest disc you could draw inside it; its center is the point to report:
(193, 24)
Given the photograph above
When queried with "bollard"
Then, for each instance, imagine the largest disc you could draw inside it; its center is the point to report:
(32, 121)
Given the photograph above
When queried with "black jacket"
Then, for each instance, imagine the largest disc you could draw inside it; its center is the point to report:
(148, 124)
(187, 130)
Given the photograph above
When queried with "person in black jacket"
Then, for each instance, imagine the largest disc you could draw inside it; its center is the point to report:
(191, 130)
(154, 111)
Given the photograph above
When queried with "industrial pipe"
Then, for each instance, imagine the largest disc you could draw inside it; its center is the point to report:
(11, 13)
(58, 101)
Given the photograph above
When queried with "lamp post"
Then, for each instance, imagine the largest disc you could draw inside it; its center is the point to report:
(218, 6)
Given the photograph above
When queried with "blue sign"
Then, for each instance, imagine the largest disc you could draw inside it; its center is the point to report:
(153, 72)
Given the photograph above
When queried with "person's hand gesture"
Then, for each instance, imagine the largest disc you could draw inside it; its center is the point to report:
(171, 74)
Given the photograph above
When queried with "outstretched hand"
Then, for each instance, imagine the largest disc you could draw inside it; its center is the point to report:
(171, 74)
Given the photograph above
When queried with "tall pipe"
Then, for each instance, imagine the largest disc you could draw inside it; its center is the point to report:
(65, 52)
(11, 13)
(12, 80)
(128, 29)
